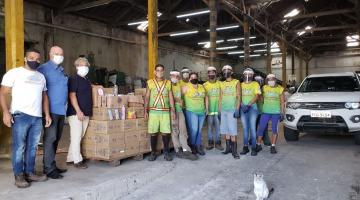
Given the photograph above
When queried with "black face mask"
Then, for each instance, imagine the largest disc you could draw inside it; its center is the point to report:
(212, 76)
(33, 64)
(194, 81)
(227, 74)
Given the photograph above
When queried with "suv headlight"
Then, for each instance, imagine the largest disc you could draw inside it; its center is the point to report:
(352, 105)
(293, 105)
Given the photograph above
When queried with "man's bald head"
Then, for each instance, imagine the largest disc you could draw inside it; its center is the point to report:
(56, 50)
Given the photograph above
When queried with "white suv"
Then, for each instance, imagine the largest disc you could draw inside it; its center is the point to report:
(325, 103)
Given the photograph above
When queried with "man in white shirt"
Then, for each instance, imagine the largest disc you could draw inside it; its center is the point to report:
(28, 91)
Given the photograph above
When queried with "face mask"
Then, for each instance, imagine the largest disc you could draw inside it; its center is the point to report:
(174, 80)
(33, 64)
(58, 59)
(82, 71)
(194, 81)
(227, 74)
(212, 76)
(271, 83)
(248, 78)
(185, 75)
(159, 74)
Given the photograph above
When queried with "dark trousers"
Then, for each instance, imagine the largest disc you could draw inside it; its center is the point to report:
(51, 140)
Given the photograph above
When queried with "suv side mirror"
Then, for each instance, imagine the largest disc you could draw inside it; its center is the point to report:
(292, 90)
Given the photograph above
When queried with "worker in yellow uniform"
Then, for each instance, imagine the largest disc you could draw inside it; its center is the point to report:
(179, 133)
(212, 88)
(185, 75)
(159, 108)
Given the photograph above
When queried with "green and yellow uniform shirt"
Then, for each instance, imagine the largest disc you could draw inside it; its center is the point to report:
(229, 94)
(272, 99)
(159, 103)
(195, 99)
(213, 92)
(176, 89)
(249, 91)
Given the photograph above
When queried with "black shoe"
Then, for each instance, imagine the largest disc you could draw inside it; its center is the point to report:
(152, 156)
(179, 154)
(210, 145)
(188, 155)
(228, 147)
(258, 148)
(245, 150)
(200, 150)
(54, 175)
(253, 152)
(61, 171)
(167, 156)
(193, 149)
(273, 150)
(218, 146)
(234, 150)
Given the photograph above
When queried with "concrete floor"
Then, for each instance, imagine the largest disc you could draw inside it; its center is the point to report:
(315, 168)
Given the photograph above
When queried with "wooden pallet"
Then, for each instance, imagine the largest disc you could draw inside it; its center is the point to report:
(114, 162)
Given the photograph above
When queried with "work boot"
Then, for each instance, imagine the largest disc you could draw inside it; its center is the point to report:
(228, 147)
(193, 149)
(234, 150)
(152, 156)
(188, 155)
(54, 175)
(153, 142)
(273, 150)
(210, 145)
(20, 181)
(218, 146)
(61, 171)
(35, 178)
(258, 148)
(200, 150)
(253, 152)
(167, 156)
(245, 150)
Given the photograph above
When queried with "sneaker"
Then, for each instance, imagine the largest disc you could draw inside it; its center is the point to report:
(152, 156)
(273, 150)
(81, 165)
(35, 178)
(188, 155)
(54, 175)
(258, 148)
(20, 181)
(167, 156)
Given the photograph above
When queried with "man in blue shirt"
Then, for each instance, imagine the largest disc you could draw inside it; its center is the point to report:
(57, 84)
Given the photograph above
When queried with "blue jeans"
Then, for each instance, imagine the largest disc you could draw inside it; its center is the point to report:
(195, 123)
(26, 132)
(213, 127)
(248, 121)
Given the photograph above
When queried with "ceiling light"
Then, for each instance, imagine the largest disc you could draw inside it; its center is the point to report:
(260, 50)
(142, 21)
(238, 39)
(235, 52)
(352, 38)
(352, 44)
(253, 55)
(225, 27)
(199, 12)
(274, 45)
(183, 33)
(275, 50)
(308, 27)
(275, 54)
(207, 45)
(292, 13)
(225, 48)
(259, 44)
(217, 41)
(187, 20)
(300, 33)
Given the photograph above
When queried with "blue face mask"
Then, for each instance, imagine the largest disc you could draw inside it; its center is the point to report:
(33, 64)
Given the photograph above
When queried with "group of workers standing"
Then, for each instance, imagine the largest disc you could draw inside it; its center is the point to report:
(179, 107)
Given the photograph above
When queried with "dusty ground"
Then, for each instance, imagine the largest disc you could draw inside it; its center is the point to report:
(315, 168)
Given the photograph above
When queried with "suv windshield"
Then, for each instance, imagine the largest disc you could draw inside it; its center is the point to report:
(330, 84)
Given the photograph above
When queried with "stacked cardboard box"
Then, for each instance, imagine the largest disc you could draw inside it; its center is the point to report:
(136, 105)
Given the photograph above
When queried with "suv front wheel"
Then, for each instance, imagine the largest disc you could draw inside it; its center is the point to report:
(290, 134)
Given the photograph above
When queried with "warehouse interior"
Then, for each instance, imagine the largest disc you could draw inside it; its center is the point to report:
(289, 38)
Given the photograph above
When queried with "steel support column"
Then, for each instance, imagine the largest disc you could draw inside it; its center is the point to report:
(213, 24)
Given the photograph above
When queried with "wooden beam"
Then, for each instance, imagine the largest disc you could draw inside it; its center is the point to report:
(85, 6)
(327, 28)
(283, 64)
(152, 37)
